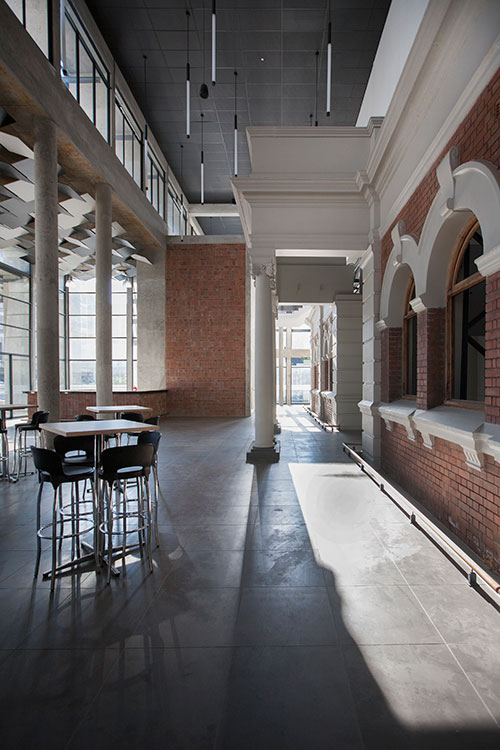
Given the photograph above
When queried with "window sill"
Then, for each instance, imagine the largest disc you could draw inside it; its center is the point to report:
(458, 425)
(399, 412)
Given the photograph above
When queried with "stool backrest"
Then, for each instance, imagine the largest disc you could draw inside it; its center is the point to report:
(42, 418)
(132, 415)
(126, 457)
(84, 418)
(152, 420)
(64, 445)
(47, 462)
(150, 438)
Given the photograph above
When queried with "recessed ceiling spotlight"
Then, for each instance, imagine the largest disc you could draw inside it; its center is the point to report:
(262, 59)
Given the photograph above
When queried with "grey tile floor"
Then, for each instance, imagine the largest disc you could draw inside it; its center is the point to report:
(291, 607)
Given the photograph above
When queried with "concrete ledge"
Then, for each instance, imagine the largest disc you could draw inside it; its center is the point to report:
(264, 455)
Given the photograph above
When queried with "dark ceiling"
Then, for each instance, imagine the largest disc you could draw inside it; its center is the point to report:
(272, 45)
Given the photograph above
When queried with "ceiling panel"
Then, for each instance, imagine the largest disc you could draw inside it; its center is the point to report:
(272, 45)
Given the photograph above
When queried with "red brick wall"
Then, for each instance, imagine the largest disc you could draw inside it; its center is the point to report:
(431, 358)
(465, 500)
(391, 344)
(478, 137)
(492, 361)
(75, 402)
(206, 329)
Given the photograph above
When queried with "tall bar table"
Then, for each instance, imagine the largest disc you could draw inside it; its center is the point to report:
(96, 428)
(117, 408)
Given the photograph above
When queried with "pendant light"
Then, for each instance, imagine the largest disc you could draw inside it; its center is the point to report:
(214, 33)
(235, 125)
(188, 81)
(203, 87)
(202, 167)
(329, 64)
(316, 93)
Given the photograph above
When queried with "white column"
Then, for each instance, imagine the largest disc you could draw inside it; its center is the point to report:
(103, 219)
(371, 353)
(46, 267)
(264, 448)
(276, 424)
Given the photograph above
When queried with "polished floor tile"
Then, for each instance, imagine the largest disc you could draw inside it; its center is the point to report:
(291, 607)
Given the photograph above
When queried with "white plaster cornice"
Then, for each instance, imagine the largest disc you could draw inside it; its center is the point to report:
(269, 182)
(417, 305)
(489, 263)
(368, 408)
(462, 107)
(305, 131)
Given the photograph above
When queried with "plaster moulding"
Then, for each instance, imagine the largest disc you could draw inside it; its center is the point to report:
(400, 412)
(490, 263)
(368, 408)
(455, 425)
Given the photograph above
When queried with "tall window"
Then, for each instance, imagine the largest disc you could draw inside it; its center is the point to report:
(15, 324)
(34, 16)
(128, 140)
(410, 344)
(83, 72)
(176, 216)
(155, 182)
(82, 332)
(466, 319)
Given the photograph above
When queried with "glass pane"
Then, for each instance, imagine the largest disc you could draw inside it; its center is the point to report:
(301, 384)
(129, 145)
(14, 313)
(82, 304)
(134, 374)
(120, 375)
(20, 379)
(301, 339)
(62, 375)
(69, 58)
(4, 380)
(82, 375)
(81, 325)
(474, 250)
(15, 287)
(37, 23)
(411, 356)
(119, 304)
(86, 82)
(17, 7)
(101, 104)
(82, 285)
(119, 120)
(14, 340)
(469, 343)
(119, 325)
(82, 348)
(61, 325)
(137, 162)
(119, 348)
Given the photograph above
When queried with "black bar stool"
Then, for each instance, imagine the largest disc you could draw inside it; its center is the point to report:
(133, 416)
(21, 450)
(118, 466)
(153, 438)
(50, 468)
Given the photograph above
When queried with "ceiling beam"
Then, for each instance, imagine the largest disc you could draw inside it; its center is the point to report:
(213, 209)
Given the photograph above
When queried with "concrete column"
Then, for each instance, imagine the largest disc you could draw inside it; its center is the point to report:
(265, 448)
(151, 324)
(281, 366)
(46, 267)
(104, 366)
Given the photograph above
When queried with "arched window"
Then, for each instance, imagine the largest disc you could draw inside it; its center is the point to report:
(409, 344)
(466, 319)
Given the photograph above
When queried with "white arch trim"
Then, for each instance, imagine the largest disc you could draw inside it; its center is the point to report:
(466, 189)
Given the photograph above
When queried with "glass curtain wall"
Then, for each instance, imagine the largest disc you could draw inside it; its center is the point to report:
(83, 72)
(155, 182)
(128, 140)
(82, 333)
(15, 326)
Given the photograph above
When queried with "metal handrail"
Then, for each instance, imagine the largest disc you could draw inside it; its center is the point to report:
(415, 515)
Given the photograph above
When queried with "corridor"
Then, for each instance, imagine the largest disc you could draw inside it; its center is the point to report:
(292, 607)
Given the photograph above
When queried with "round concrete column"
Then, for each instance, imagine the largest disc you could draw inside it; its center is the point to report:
(46, 267)
(104, 365)
(265, 447)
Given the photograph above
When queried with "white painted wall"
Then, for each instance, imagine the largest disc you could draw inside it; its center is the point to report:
(401, 26)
